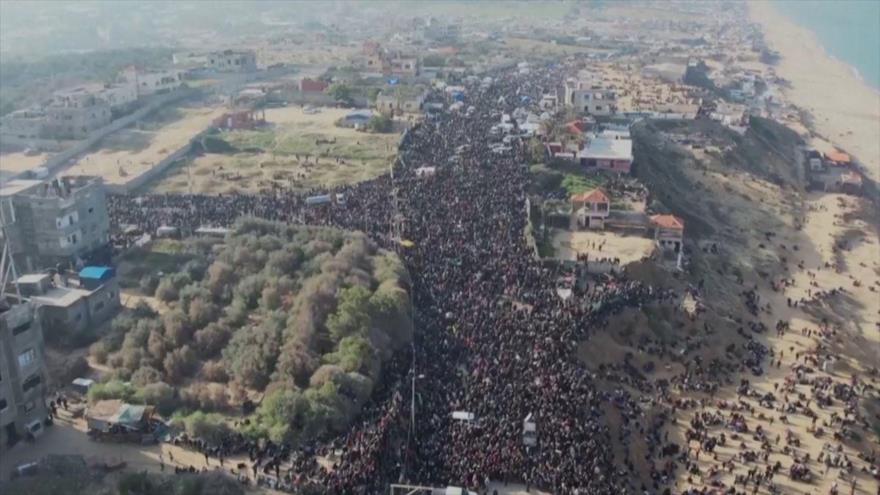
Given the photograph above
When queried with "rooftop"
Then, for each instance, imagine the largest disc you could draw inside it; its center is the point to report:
(608, 148)
(17, 186)
(61, 297)
(591, 196)
(668, 222)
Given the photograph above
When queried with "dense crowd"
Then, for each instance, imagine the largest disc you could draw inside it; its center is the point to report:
(496, 340)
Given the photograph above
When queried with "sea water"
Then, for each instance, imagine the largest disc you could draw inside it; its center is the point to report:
(849, 30)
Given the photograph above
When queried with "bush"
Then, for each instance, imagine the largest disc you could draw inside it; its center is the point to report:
(209, 427)
(201, 312)
(210, 340)
(214, 371)
(148, 284)
(179, 364)
(166, 291)
(110, 390)
(145, 375)
(98, 352)
(160, 395)
(380, 123)
(210, 397)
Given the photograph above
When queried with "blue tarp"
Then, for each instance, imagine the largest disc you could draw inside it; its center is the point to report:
(96, 272)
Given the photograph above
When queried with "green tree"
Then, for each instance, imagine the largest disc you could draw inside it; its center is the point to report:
(341, 92)
(537, 151)
(380, 123)
(352, 314)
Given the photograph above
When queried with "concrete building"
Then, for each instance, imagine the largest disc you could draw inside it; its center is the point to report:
(591, 208)
(22, 374)
(232, 61)
(74, 305)
(62, 220)
(75, 113)
(610, 150)
(404, 66)
(668, 232)
(401, 98)
(590, 98)
(148, 83)
(24, 124)
(221, 61)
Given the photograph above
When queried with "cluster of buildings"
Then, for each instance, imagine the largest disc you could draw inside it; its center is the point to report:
(217, 61)
(593, 210)
(833, 171)
(376, 61)
(47, 227)
(74, 113)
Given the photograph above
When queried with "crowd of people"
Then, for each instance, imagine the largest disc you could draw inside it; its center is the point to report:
(496, 343)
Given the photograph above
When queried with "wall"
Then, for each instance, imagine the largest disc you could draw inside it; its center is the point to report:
(68, 157)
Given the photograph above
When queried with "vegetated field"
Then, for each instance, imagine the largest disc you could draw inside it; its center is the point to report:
(307, 316)
(130, 152)
(283, 154)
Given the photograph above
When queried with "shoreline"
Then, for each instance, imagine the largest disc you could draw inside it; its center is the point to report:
(844, 108)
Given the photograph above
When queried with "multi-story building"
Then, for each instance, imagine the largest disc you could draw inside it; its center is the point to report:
(75, 113)
(24, 124)
(590, 98)
(22, 373)
(147, 83)
(60, 221)
(232, 61)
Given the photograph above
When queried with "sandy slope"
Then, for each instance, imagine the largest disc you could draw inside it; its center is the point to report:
(845, 109)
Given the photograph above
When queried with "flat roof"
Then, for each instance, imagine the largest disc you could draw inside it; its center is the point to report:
(17, 186)
(608, 148)
(32, 278)
(61, 297)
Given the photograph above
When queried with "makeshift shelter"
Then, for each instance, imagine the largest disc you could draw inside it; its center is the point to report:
(107, 415)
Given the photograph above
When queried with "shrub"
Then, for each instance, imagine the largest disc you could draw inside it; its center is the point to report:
(202, 311)
(98, 352)
(214, 371)
(179, 363)
(205, 397)
(148, 284)
(209, 427)
(178, 330)
(251, 354)
(110, 390)
(160, 395)
(209, 341)
(166, 291)
(145, 375)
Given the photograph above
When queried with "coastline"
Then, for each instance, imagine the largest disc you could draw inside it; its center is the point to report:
(845, 109)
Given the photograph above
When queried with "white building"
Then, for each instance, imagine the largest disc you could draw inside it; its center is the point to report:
(590, 98)
(147, 83)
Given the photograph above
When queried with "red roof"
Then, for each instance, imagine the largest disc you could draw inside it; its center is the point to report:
(592, 196)
(838, 156)
(576, 126)
(312, 85)
(668, 222)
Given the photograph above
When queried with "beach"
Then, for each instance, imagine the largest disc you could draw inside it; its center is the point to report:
(845, 110)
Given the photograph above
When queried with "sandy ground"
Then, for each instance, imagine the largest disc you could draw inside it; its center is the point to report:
(860, 336)
(19, 162)
(131, 152)
(600, 244)
(846, 111)
(292, 134)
